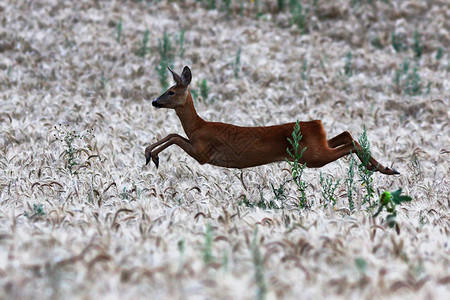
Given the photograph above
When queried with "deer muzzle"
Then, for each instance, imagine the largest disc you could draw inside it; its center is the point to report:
(156, 104)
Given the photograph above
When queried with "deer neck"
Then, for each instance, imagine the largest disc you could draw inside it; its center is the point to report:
(188, 116)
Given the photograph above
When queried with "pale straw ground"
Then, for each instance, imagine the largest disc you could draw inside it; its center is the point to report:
(120, 230)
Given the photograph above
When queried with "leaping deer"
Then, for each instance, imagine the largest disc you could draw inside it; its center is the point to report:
(231, 146)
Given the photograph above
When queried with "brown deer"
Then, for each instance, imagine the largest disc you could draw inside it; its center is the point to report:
(231, 146)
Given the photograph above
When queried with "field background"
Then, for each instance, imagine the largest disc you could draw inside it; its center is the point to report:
(115, 229)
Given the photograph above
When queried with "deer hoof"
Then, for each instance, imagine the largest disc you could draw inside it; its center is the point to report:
(391, 171)
(147, 159)
(156, 161)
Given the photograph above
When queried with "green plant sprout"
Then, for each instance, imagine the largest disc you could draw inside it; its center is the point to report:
(279, 192)
(144, 49)
(298, 15)
(398, 41)
(262, 203)
(119, 30)
(280, 4)
(349, 183)
(71, 152)
(167, 56)
(207, 249)
(365, 174)
(328, 189)
(258, 263)
(390, 200)
(408, 80)
(227, 6)
(204, 89)
(348, 65)
(38, 211)
(413, 85)
(439, 53)
(417, 46)
(181, 43)
(237, 63)
(211, 4)
(297, 167)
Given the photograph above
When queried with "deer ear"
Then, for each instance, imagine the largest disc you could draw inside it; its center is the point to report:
(176, 77)
(186, 76)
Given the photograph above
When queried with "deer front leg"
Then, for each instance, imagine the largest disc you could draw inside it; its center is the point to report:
(182, 142)
(148, 150)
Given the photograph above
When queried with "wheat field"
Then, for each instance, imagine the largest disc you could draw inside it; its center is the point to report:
(82, 217)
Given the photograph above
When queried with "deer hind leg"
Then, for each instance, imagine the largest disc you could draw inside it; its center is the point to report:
(178, 140)
(346, 138)
(340, 139)
(354, 147)
(343, 139)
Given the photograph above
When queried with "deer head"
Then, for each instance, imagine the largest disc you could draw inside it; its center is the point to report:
(176, 95)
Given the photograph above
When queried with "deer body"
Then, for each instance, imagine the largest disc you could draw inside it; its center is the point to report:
(231, 146)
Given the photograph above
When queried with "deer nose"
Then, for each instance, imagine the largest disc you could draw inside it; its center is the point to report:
(156, 104)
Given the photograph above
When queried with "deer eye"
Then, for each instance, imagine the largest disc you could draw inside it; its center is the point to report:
(171, 93)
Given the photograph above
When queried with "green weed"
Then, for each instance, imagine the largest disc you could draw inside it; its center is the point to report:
(211, 4)
(417, 46)
(279, 192)
(38, 211)
(8, 72)
(413, 85)
(328, 189)
(180, 42)
(71, 152)
(119, 30)
(144, 48)
(262, 203)
(422, 218)
(245, 202)
(361, 265)
(348, 65)
(408, 80)
(349, 183)
(204, 89)
(439, 53)
(225, 261)
(237, 63)
(207, 248)
(124, 194)
(227, 6)
(297, 167)
(390, 200)
(365, 175)
(258, 264)
(167, 56)
(399, 42)
(304, 74)
(257, 8)
(298, 15)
